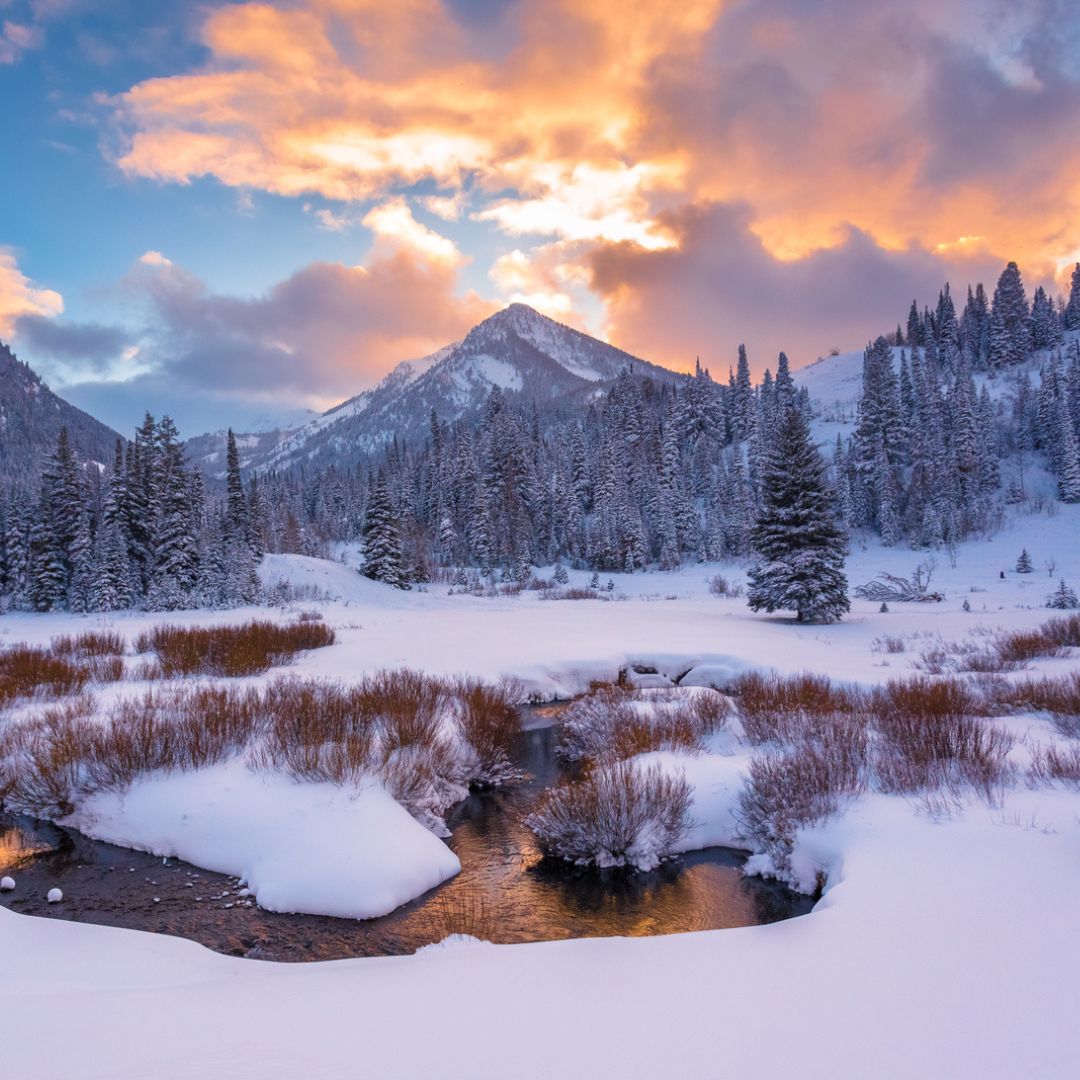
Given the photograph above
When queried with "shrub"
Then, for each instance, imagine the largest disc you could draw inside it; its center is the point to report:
(29, 671)
(721, 586)
(888, 644)
(489, 725)
(46, 759)
(1049, 763)
(619, 815)
(575, 592)
(796, 788)
(249, 649)
(784, 708)
(931, 738)
(1064, 631)
(1058, 696)
(91, 643)
(1018, 647)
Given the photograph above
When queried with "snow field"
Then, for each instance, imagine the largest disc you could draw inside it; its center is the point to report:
(943, 944)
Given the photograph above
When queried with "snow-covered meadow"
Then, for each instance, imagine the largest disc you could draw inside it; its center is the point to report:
(943, 944)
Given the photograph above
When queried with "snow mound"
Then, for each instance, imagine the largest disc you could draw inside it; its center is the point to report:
(7, 884)
(322, 579)
(54, 896)
(301, 847)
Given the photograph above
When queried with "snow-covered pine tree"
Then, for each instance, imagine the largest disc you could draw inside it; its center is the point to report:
(1072, 308)
(1024, 564)
(799, 545)
(1063, 598)
(1010, 301)
(382, 541)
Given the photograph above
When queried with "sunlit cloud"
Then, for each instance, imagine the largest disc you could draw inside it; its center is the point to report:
(19, 296)
(393, 224)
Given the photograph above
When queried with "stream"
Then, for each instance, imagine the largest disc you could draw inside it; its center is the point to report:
(506, 891)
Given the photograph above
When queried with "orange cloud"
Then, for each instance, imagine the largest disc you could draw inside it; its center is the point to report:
(922, 126)
(19, 296)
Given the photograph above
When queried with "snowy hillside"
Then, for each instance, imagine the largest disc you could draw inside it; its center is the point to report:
(518, 350)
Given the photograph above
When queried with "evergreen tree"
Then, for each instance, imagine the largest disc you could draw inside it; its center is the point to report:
(382, 540)
(1063, 598)
(799, 546)
(1072, 308)
(1024, 564)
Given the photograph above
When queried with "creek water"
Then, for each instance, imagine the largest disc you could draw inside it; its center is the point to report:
(506, 891)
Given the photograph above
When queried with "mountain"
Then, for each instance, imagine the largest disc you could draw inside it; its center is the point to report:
(208, 450)
(31, 417)
(517, 350)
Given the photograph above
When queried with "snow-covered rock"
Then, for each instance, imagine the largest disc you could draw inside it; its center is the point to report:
(7, 883)
(55, 896)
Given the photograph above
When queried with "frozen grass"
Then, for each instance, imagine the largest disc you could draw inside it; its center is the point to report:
(576, 592)
(248, 649)
(619, 815)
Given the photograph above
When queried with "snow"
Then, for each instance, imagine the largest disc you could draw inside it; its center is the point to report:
(301, 847)
(942, 947)
(54, 896)
(7, 883)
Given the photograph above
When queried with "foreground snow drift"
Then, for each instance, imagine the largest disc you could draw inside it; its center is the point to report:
(311, 848)
(941, 949)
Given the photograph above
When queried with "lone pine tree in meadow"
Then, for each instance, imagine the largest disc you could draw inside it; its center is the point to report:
(800, 546)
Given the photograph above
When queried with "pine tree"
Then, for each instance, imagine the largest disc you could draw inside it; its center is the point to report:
(1024, 564)
(1010, 302)
(1063, 598)
(799, 546)
(1072, 308)
(382, 541)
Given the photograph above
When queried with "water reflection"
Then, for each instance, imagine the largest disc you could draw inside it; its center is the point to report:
(506, 892)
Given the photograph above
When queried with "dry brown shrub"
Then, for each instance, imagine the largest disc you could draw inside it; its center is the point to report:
(90, 643)
(799, 787)
(785, 708)
(1049, 763)
(317, 731)
(30, 671)
(1057, 695)
(1063, 631)
(1018, 647)
(489, 724)
(618, 815)
(931, 737)
(47, 759)
(248, 649)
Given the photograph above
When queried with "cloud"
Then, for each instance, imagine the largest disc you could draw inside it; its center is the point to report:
(19, 296)
(323, 334)
(395, 228)
(89, 347)
(17, 38)
(721, 287)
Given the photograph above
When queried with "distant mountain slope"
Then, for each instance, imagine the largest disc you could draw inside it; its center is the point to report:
(31, 417)
(518, 350)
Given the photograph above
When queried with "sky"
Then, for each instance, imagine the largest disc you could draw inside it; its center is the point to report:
(229, 211)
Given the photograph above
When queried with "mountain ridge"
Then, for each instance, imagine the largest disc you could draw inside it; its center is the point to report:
(517, 350)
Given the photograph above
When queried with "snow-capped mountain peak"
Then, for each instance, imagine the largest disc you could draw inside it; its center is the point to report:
(517, 350)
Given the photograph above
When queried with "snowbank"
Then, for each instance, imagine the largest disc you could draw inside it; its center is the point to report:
(301, 847)
(941, 949)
